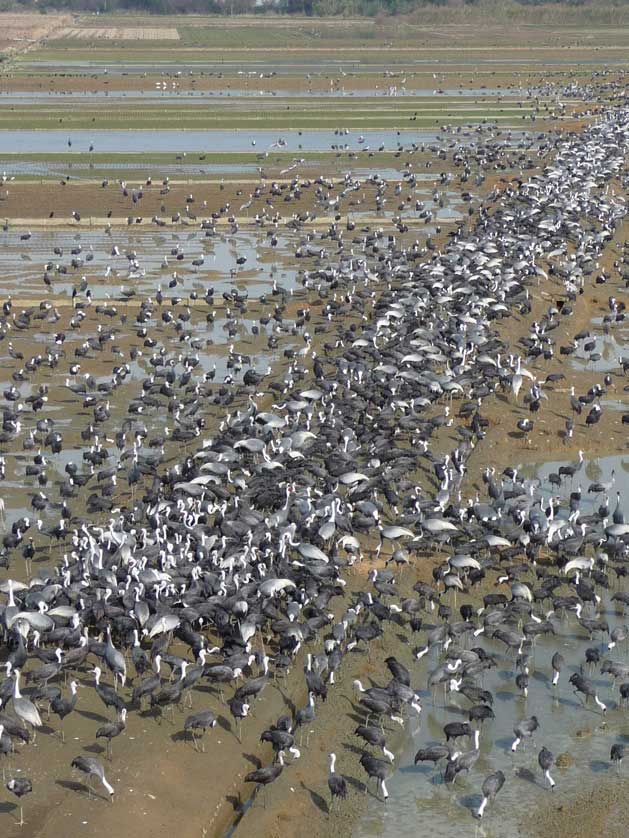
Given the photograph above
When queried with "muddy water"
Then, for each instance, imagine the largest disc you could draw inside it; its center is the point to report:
(18, 97)
(583, 734)
(228, 335)
(265, 264)
(146, 141)
(315, 64)
(610, 346)
(75, 170)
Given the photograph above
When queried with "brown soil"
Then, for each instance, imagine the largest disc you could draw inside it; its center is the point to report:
(19, 32)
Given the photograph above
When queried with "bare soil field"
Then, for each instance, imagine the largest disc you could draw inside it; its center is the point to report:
(117, 33)
(21, 31)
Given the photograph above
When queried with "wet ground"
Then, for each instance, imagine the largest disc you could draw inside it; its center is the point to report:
(158, 775)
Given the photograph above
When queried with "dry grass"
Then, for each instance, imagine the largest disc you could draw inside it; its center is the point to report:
(118, 33)
(19, 31)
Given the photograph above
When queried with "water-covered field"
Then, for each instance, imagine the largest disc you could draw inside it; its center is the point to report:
(347, 317)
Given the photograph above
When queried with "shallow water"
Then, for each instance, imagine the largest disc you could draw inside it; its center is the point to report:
(19, 97)
(24, 262)
(233, 141)
(314, 64)
(419, 796)
(85, 170)
(418, 793)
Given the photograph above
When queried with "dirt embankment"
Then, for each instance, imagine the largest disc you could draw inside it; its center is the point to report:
(20, 32)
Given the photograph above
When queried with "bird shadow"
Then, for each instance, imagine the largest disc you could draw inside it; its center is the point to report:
(78, 788)
(181, 736)
(598, 766)
(288, 701)
(354, 749)
(317, 799)
(6, 806)
(234, 801)
(357, 785)
(94, 748)
(526, 774)
(421, 768)
(224, 723)
(254, 760)
(94, 717)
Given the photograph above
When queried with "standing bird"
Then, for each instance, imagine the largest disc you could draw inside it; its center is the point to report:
(265, 776)
(24, 707)
(112, 729)
(336, 784)
(20, 787)
(524, 730)
(490, 788)
(199, 723)
(115, 661)
(376, 768)
(62, 707)
(374, 736)
(617, 755)
(239, 710)
(92, 768)
(107, 694)
(546, 761)
(557, 664)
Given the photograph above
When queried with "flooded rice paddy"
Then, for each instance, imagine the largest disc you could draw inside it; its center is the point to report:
(136, 141)
(133, 343)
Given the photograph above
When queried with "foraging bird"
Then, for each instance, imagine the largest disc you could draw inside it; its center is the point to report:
(546, 761)
(490, 788)
(199, 723)
(265, 776)
(524, 730)
(376, 768)
(92, 768)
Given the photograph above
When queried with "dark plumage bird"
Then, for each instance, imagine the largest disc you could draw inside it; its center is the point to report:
(546, 761)
(197, 724)
(336, 783)
(107, 694)
(490, 788)
(112, 730)
(376, 768)
(265, 776)
(617, 754)
(433, 754)
(62, 707)
(399, 672)
(374, 736)
(92, 768)
(20, 787)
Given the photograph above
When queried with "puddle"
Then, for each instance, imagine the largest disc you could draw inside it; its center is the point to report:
(233, 141)
(566, 727)
(264, 263)
(418, 792)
